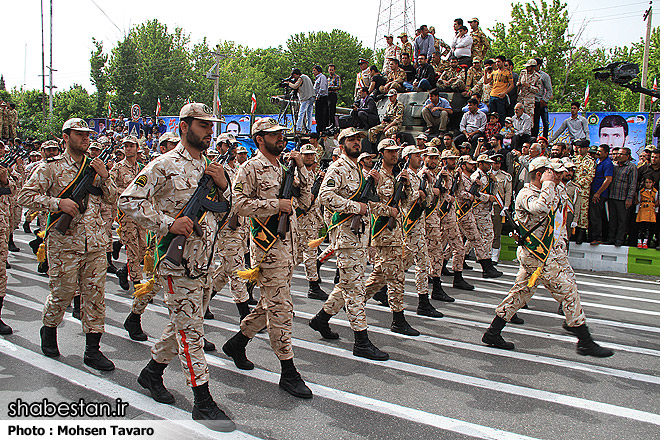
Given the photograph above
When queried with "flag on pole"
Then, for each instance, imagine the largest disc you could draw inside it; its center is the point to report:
(219, 105)
(188, 100)
(158, 108)
(109, 109)
(655, 88)
(254, 104)
(586, 95)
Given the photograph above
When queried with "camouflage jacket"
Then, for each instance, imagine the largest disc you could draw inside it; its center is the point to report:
(394, 112)
(123, 173)
(473, 77)
(480, 44)
(533, 204)
(453, 75)
(385, 191)
(585, 170)
(528, 85)
(398, 76)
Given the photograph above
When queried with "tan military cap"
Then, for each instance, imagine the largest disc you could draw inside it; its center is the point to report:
(34, 153)
(421, 136)
(447, 154)
(476, 60)
(466, 159)
(50, 144)
(388, 144)
(389, 36)
(268, 125)
(431, 151)
(568, 163)
(466, 145)
(212, 152)
(484, 158)
(530, 63)
(241, 149)
(169, 137)
(436, 141)
(538, 163)
(197, 110)
(558, 165)
(473, 19)
(225, 137)
(364, 156)
(336, 152)
(95, 145)
(392, 92)
(77, 124)
(403, 34)
(307, 149)
(131, 139)
(350, 132)
(410, 149)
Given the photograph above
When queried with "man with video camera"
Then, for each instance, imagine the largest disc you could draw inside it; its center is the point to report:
(305, 88)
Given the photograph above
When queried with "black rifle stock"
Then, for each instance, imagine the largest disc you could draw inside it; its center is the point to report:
(396, 198)
(368, 195)
(287, 193)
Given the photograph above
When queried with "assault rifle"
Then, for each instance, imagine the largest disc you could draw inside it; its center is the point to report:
(8, 162)
(516, 234)
(368, 195)
(287, 193)
(398, 193)
(316, 186)
(84, 188)
(199, 201)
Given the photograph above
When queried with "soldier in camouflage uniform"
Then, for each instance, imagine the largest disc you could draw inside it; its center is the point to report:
(415, 249)
(11, 120)
(256, 195)
(77, 258)
(585, 170)
(406, 46)
(572, 193)
(484, 204)
(503, 192)
(388, 264)
(480, 43)
(133, 236)
(529, 84)
(340, 193)
(474, 74)
(8, 181)
(392, 121)
(3, 111)
(154, 200)
(538, 209)
(452, 79)
(395, 77)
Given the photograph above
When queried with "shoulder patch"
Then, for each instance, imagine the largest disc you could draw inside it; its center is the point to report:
(330, 183)
(238, 187)
(141, 180)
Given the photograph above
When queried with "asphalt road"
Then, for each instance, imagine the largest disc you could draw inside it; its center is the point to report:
(444, 384)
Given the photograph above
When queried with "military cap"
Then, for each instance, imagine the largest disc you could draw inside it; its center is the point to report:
(364, 156)
(542, 138)
(212, 152)
(95, 145)
(392, 92)
(558, 165)
(131, 139)
(447, 154)
(530, 63)
(421, 136)
(581, 143)
(336, 152)
(350, 132)
(362, 60)
(436, 141)
(466, 158)
(34, 153)
(593, 149)
(268, 125)
(484, 158)
(473, 19)
(103, 140)
(77, 124)
(538, 163)
(307, 149)
(650, 148)
(508, 119)
(241, 149)
(169, 137)
(465, 145)
(410, 149)
(225, 137)
(388, 144)
(431, 151)
(568, 163)
(389, 36)
(197, 110)
(50, 144)
(497, 158)
(403, 34)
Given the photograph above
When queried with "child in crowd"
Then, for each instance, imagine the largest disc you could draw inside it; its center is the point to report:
(493, 127)
(646, 211)
(508, 132)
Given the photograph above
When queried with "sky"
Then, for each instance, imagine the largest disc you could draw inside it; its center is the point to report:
(75, 22)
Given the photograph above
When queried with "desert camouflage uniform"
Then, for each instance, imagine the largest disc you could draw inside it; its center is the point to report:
(132, 235)
(467, 223)
(415, 249)
(473, 76)
(407, 48)
(11, 121)
(392, 51)
(5, 231)
(585, 169)
(2, 121)
(341, 181)
(440, 67)
(527, 93)
(533, 204)
(256, 195)
(503, 182)
(481, 210)
(309, 225)
(448, 241)
(398, 77)
(388, 264)
(76, 260)
(455, 77)
(153, 201)
(482, 89)
(15, 208)
(394, 112)
(480, 44)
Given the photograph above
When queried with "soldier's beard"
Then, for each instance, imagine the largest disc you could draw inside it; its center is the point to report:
(195, 141)
(274, 148)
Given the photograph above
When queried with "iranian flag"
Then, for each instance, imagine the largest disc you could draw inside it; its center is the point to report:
(586, 95)
(253, 108)
(158, 108)
(109, 109)
(655, 88)
(219, 105)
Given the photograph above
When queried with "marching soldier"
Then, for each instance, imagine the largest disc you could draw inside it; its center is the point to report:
(155, 200)
(585, 170)
(256, 195)
(340, 193)
(392, 120)
(484, 204)
(572, 193)
(414, 228)
(7, 182)
(503, 194)
(388, 264)
(76, 258)
(537, 206)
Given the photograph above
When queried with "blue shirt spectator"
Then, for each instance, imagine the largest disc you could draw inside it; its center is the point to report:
(604, 168)
(442, 102)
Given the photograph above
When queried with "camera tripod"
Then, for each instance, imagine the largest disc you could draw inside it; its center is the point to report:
(289, 108)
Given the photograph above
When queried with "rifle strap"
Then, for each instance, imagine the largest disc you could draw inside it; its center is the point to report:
(67, 191)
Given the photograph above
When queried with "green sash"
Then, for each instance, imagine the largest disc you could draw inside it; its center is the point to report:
(486, 190)
(413, 216)
(462, 210)
(430, 208)
(443, 210)
(120, 213)
(66, 192)
(264, 234)
(378, 224)
(338, 217)
(540, 247)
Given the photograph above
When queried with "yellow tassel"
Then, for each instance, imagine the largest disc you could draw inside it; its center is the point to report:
(41, 234)
(144, 288)
(148, 262)
(118, 231)
(41, 253)
(33, 216)
(249, 274)
(316, 243)
(534, 277)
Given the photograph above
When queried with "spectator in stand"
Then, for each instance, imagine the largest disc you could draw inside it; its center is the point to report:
(622, 197)
(652, 171)
(482, 107)
(303, 84)
(558, 151)
(461, 47)
(377, 84)
(363, 78)
(321, 93)
(528, 84)
(364, 113)
(493, 127)
(425, 76)
(439, 65)
(474, 74)
(424, 43)
(453, 79)
(599, 194)
(458, 23)
(502, 83)
(512, 96)
(334, 86)
(473, 124)
(507, 131)
(498, 148)
(542, 99)
(410, 70)
(439, 43)
(480, 43)
(436, 113)
(391, 51)
(406, 46)
(522, 127)
(395, 78)
(577, 126)
(647, 212)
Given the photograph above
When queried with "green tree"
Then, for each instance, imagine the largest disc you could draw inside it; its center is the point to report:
(98, 74)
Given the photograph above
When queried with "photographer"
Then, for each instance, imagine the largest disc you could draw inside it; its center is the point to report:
(303, 85)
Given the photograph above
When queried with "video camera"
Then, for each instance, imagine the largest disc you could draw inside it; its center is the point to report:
(620, 72)
(285, 83)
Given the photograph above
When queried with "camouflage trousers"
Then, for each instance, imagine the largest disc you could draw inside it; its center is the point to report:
(351, 263)
(306, 254)
(4, 253)
(140, 303)
(16, 212)
(108, 215)
(275, 308)
(528, 103)
(415, 251)
(557, 276)
(133, 237)
(451, 241)
(484, 222)
(380, 128)
(583, 202)
(186, 300)
(388, 270)
(468, 228)
(71, 272)
(230, 258)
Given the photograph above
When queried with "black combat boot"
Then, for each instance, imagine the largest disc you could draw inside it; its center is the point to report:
(11, 246)
(235, 349)
(381, 296)
(206, 411)
(76, 307)
(208, 346)
(133, 326)
(363, 347)
(122, 274)
(34, 244)
(493, 336)
(515, 319)
(586, 345)
(250, 289)
(460, 283)
(49, 341)
(446, 272)
(320, 324)
(116, 248)
(336, 280)
(488, 270)
(93, 356)
(26, 227)
(291, 382)
(4, 328)
(43, 267)
(111, 267)
(424, 307)
(400, 325)
(243, 309)
(318, 270)
(560, 310)
(315, 291)
(151, 378)
(579, 235)
(208, 314)
(438, 294)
